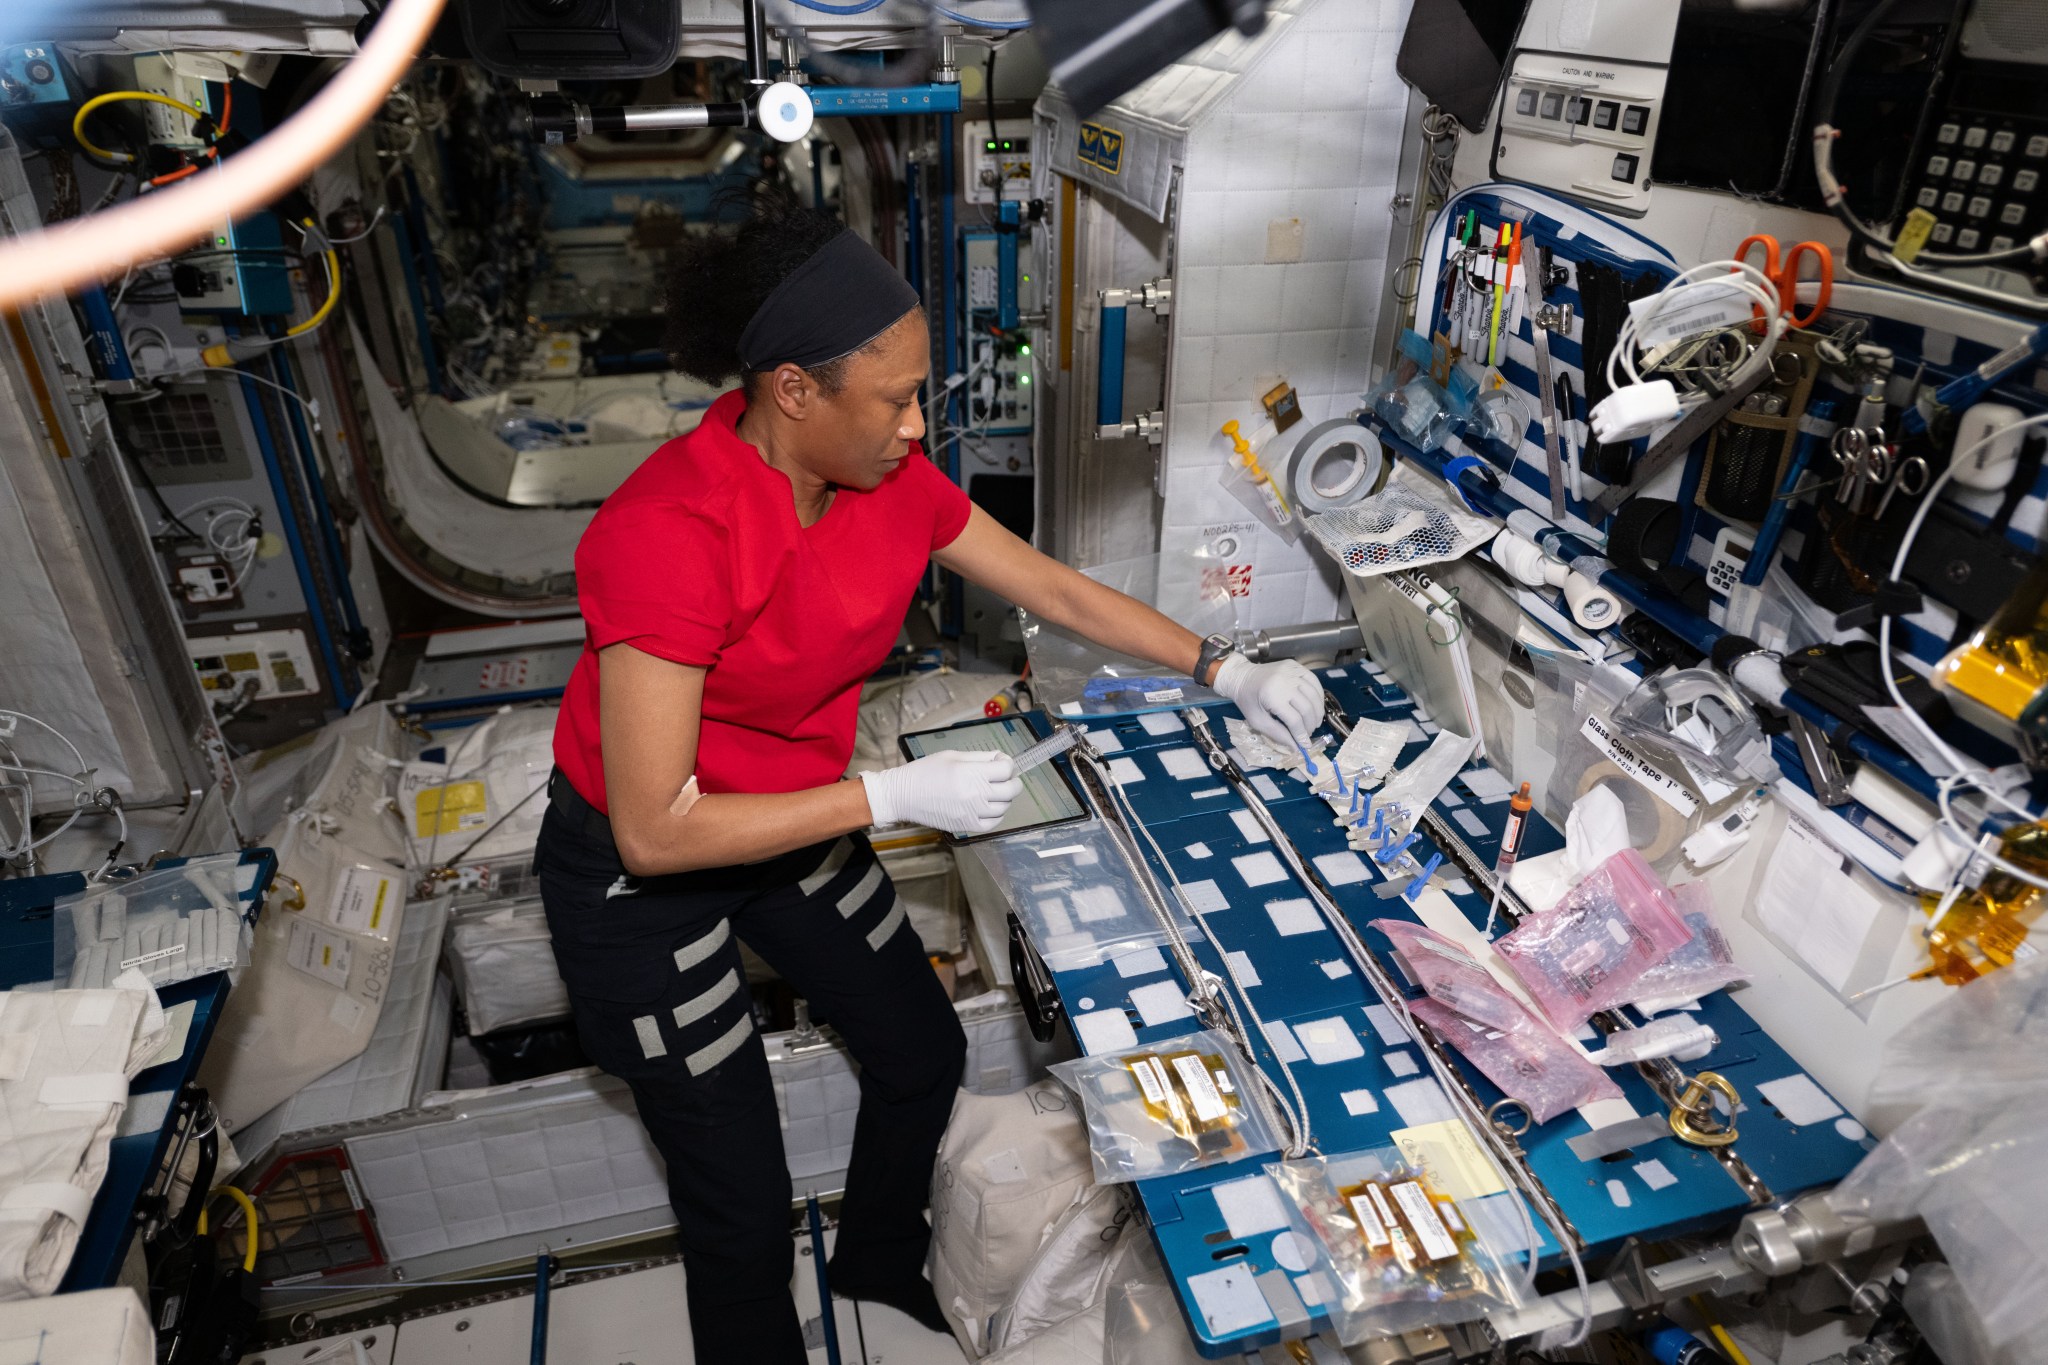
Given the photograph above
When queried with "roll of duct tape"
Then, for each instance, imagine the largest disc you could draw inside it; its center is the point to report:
(1653, 827)
(1335, 464)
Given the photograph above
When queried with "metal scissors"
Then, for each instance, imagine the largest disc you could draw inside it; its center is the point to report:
(1864, 458)
(1783, 267)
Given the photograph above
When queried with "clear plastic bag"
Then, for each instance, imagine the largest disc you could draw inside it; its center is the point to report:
(1695, 968)
(1451, 975)
(1587, 952)
(1397, 1252)
(1168, 1107)
(1369, 754)
(171, 924)
(1983, 1046)
(1074, 895)
(1532, 1065)
(1409, 792)
(1077, 677)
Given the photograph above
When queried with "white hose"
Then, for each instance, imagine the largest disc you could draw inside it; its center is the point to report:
(57, 259)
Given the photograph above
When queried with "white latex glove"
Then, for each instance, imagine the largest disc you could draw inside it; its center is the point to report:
(1281, 700)
(958, 792)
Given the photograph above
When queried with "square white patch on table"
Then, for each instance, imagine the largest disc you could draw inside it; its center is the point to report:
(1285, 1050)
(1101, 1031)
(1229, 1300)
(1656, 1174)
(1265, 786)
(1358, 1102)
(1183, 763)
(1162, 1002)
(1106, 741)
(1486, 783)
(1401, 1063)
(1245, 974)
(1387, 1025)
(1329, 1040)
(1336, 970)
(1125, 770)
(1341, 868)
(1204, 897)
(1161, 723)
(1294, 917)
(1198, 851)
(1801, 1101)
(1250, 1206)
(1139, 962)
(1420, 1101)
(1469, 821)
(1259, 869)
(1248, 826)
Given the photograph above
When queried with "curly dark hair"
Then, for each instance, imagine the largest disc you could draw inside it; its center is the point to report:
(717, 280)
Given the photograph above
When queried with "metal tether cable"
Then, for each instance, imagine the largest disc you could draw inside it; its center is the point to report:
(1508, 1169)
(1201, 982)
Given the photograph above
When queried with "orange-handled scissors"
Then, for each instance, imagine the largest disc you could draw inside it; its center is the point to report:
(1784, 271)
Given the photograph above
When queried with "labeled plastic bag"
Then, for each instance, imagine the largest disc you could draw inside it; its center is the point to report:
(1397, 1251)
(1408, 793)
(1532, 1065)
(1693, 969)
(1369, 754)
(1077, 677)
(1451, 975)
(1586, 953)
(1172, 1106)
(1074, 895)
(481, 798)
(171, 924)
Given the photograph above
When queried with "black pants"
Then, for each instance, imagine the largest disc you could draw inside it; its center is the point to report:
(660, 999)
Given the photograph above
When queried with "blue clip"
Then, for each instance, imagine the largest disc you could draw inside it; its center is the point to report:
(1356, 791)
(1413, 890)
(1310, 762)
(1379, 823)
(1389, 850)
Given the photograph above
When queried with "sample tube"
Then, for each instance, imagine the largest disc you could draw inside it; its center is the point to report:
(1510, 849)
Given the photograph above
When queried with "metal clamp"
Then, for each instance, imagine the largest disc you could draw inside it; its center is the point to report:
(1695, 1107)
(1149, 425)
(1493, 1117)
(1556, 317)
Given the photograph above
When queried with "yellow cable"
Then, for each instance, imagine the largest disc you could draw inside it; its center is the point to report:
(114, 97)
(1728, 1346)
(249, 1212)
(333, 294)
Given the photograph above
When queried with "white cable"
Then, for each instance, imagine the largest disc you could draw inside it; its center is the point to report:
(234, 372)
(68, 255)
(1710, 276)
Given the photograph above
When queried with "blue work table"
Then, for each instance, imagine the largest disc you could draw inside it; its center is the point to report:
(135, 1158)
(1235, 1293)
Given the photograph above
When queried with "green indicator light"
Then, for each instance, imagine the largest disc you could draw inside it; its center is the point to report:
(1006, 146)
(220, 241)
(1023, 379)
(989, 147)
(1024, 350)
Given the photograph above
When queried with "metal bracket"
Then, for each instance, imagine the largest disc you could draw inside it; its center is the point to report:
(1823, 769)
(1556, 317)
(1150, 425)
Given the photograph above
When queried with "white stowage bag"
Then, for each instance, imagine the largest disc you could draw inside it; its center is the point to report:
(317, 975)
(90, 1327)
(351, 783)
(503, 962)
(1068, 1273)
(483, 799)
(1010, 1167)
(66, 1058)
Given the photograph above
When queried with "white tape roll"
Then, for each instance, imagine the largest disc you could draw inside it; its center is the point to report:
(1335, 464)
(785, 111)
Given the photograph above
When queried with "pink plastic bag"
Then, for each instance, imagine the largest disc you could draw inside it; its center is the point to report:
(1530, 1064)
(1451, 975)
(1586, 953)
(1693, 969)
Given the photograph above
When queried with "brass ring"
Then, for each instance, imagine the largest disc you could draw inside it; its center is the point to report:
(298, 900)
(1694, 1103)
(1493, 1117)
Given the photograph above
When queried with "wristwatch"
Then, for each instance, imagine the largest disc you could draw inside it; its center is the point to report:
(1214, 647)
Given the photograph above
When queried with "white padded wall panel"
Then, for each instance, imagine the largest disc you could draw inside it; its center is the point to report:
(1310, 130)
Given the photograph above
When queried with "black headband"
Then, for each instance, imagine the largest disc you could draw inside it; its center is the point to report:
(838, 301)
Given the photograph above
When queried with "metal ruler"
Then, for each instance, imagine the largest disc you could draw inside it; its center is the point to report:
(1546, 389)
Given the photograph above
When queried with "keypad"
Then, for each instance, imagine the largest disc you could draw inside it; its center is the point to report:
(1987, 183)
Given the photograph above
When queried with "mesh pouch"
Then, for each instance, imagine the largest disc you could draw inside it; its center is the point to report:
(1397, 528)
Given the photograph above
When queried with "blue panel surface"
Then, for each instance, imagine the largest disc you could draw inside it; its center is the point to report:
(1659, 1188)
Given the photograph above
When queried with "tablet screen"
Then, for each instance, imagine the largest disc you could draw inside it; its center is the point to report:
(1048, 798)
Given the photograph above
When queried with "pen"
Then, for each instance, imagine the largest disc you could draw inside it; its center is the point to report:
(1500, 290)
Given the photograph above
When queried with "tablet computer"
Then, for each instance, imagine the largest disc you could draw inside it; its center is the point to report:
(1050, 796)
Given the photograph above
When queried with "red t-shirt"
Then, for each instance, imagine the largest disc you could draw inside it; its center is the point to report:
(699, 558)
